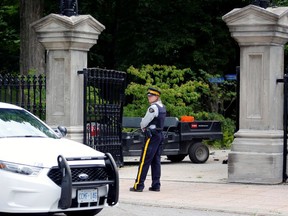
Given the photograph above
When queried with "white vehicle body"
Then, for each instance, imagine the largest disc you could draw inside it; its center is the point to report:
(42, 174)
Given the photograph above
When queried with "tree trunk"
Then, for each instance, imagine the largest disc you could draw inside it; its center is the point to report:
(32, 53)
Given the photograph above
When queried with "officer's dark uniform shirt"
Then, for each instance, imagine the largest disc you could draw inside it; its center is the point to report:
(154, 117)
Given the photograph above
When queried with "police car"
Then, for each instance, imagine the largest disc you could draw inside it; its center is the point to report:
(44, 173)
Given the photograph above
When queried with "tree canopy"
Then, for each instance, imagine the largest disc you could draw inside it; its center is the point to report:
(9, 34)
(184, 33)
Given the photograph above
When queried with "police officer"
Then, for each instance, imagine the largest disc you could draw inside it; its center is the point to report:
(152, 125)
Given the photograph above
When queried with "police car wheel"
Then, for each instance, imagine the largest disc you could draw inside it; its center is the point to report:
(198, 152)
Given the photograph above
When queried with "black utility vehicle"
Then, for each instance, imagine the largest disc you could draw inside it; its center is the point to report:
(181, 138)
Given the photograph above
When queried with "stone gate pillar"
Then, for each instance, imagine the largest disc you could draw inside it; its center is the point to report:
(67, 41)
(257, 150)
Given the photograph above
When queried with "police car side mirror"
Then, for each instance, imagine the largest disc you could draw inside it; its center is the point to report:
(61, 131)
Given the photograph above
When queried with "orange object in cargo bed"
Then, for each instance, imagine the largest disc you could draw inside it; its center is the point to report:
(187, 118)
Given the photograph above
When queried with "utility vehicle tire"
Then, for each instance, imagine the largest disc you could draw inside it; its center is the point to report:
(176, 158)
(83, 213)
(198, 153)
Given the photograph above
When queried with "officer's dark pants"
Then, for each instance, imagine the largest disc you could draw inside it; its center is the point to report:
(151, 155)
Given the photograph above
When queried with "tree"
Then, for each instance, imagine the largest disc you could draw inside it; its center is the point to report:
(9, 34)
(32, 53)
(184, 33)
(280, 2)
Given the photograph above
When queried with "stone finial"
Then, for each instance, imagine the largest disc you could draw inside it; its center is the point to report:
(253, 25)
(76, 32)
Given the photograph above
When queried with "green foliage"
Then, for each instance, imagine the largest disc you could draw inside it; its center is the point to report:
(9, 34)
(180, 96)
(228, 128)
(183, 93)
(280, 2)
(184, 33)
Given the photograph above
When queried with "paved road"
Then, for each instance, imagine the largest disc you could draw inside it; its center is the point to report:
(124, 209)
(213, 171)
(171, 172)
(202, 188)
(198, 190)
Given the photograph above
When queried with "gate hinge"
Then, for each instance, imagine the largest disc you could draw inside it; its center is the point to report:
(279, 80)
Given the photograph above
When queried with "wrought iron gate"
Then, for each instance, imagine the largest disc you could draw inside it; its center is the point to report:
(285, 129)
(104, 92)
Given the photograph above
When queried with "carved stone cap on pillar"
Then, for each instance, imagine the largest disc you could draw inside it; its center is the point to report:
(58, 32)
(253, 25)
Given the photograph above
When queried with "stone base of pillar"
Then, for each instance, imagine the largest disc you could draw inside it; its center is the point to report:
(75, 133)
(256, 157)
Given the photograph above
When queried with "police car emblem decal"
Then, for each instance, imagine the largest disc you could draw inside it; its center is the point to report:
(83, 176)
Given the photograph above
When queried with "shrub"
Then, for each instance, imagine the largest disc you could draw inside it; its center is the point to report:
(184, 92)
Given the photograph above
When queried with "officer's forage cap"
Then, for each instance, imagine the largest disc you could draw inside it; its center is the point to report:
(153, 91)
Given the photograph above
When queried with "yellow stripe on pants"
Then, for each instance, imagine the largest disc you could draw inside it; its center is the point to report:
(142, 163)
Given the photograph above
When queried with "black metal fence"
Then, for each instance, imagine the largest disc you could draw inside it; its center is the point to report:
(103, 104)
(28, 92)
(104, 92)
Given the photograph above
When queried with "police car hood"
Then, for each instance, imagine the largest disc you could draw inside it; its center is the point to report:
(43, 152)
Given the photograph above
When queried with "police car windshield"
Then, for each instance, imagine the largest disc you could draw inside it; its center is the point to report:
(20, 123)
